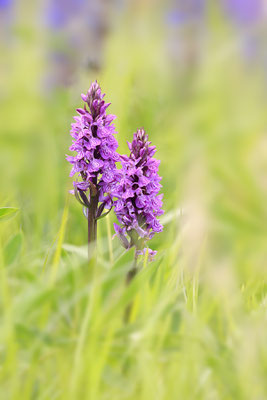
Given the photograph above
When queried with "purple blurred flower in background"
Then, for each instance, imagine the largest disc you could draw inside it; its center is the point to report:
(60, 12)
(94, 162)
(186, 24)
(78, 30)
(186, 11)
(248, 16)
(5, 3)
(138, 203)
(6, 20)
(244, 11)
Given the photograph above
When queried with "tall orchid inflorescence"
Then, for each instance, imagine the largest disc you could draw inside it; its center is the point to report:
(95, 161)
(138, 203)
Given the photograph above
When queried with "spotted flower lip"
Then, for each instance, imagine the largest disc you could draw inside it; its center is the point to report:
(95, 145)
(138, 203)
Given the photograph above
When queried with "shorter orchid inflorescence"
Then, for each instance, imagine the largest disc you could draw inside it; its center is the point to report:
(138, 203)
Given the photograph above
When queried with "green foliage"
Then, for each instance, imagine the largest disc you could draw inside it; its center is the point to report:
(13, 248)
(7, 212)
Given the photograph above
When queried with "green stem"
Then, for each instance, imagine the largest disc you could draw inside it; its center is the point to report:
(92, 225)
(132, 272)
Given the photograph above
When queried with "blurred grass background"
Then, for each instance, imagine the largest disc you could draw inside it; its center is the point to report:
(193, 73)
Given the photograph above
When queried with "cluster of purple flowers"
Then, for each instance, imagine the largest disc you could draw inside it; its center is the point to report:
(133, 189)
(95, 145)
(138, 203)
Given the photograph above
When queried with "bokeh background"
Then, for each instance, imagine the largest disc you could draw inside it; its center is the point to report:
(193, 73)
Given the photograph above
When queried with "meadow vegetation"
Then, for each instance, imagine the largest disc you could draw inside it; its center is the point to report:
(198, 324)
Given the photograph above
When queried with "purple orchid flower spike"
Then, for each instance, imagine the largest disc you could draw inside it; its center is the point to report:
(95, 159)
(138, 203)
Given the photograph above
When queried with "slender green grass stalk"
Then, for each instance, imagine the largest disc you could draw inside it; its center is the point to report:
(61, 234)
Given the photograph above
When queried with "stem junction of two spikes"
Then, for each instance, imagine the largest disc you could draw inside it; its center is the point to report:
(90, 211)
